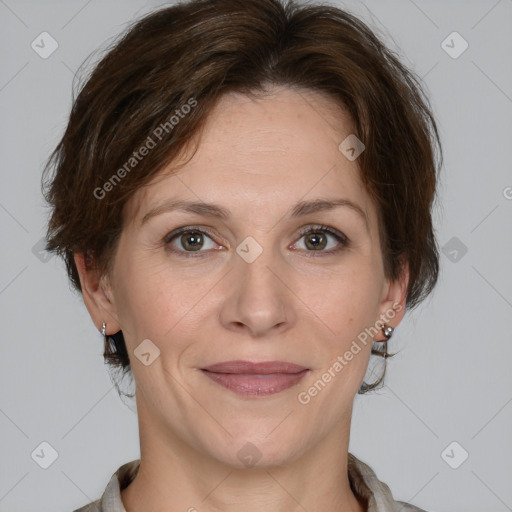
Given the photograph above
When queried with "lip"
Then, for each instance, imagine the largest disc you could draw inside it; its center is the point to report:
(248, 378)
(255, 368)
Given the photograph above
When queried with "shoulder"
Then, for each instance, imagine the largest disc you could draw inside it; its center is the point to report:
(374, 492)
(111, 501)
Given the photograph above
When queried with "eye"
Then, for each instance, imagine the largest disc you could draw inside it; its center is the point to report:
(188, 240)
(316, 239)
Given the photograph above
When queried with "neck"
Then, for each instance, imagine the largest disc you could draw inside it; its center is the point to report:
(173, 476)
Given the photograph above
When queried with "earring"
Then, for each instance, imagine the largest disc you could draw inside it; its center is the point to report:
(104, 329)
(387, 331)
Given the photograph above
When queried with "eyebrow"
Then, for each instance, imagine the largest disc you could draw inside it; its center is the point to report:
(301, 209)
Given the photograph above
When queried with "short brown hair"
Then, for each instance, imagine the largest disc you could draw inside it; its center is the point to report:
(199, 50)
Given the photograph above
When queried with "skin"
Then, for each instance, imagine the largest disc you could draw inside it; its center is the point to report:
(257, 158)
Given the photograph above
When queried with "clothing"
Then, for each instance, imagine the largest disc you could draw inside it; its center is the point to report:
(362, 478)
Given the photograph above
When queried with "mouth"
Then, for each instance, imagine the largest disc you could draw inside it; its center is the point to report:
(256, 379)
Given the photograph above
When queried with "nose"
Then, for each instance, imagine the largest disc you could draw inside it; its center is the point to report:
(259, 301)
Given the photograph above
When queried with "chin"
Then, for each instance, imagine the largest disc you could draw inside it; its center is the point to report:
(256, 449)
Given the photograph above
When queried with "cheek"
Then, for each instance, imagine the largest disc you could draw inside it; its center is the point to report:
(157, 302)
(346, 302)
(145, 296)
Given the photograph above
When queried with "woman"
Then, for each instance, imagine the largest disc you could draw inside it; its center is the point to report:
(243, 197)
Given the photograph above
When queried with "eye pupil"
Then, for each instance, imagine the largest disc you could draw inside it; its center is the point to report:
(192, 240)
(316, 240)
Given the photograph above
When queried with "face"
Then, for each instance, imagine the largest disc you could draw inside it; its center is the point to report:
(266, 281)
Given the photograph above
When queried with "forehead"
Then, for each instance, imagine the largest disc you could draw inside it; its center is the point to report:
(264, 152)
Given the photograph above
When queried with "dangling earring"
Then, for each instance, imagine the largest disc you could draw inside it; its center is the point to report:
(104, 329)
(388, 332)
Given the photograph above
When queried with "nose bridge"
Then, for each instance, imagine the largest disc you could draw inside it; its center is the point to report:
(258, 264)
(258, 297)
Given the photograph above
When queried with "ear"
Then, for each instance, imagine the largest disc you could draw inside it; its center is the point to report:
(394, 295)
(97, 295)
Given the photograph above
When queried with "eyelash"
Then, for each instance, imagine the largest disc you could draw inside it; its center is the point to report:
(341, 238)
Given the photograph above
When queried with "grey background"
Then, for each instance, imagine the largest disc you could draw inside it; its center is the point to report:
(451, 380)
